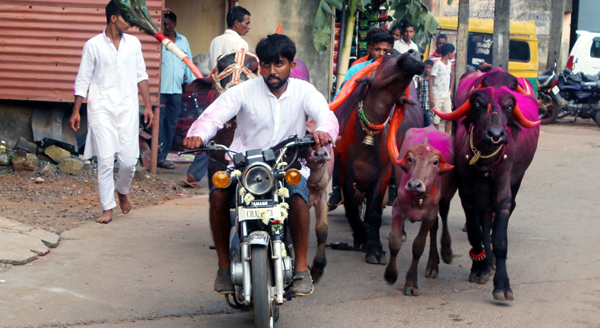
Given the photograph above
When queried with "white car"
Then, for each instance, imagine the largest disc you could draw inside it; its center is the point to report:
(585, 55)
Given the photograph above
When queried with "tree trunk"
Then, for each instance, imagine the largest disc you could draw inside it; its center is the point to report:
(347, 45)
(556, 27)
(501, 34)
(461, 40)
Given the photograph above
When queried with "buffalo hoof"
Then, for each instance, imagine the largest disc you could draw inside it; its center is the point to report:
(447, 255)
(376, 258)
(464, 228)
(390, 275)
(316, 272)
(410, 290)
(503, 294)
(431, 273)
(480, 276)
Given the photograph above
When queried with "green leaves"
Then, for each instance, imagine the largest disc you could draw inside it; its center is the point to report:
(417, 13)
(322, 23)
(449, 2)
(136, 12)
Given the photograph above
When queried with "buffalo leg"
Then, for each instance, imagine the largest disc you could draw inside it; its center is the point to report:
(320, 260)
(411, 287)
(502, 290)
(446, 240)
(479, 269)
(352, 214)
(434, 257)
(375, 253)
(395, 242)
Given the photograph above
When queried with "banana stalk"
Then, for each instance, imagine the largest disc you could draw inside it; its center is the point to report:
(347, 45)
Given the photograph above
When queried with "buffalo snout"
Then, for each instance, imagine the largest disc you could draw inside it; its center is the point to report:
(415, 186)
(319, 156)
(496, 135)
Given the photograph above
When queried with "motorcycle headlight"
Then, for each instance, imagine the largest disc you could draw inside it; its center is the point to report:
(258, 179)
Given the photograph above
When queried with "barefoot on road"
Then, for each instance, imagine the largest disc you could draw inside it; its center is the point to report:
(106, 217)
(124, 203)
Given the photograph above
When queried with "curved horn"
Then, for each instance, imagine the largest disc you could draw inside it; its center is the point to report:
(392, 144)
(518, 116)
(351, 84)
(278, 30)
(525, 91)
(455, 115)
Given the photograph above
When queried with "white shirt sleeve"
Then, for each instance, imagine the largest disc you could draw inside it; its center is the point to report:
(217, 114)
(140, 64)
(86, 69)
(317, 108)
(436, 69)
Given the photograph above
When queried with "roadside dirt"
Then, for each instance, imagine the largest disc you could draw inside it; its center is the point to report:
(62, 202)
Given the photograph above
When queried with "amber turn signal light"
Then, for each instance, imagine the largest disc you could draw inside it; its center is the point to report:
(293, 177)
(221, 179)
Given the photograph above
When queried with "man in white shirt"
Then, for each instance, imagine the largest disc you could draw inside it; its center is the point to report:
(113, 69)
(406, 43)
(268, 110)
(238, 25)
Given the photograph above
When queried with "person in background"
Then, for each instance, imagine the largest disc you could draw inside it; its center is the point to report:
(238, 25)
(405, 43)
(437, 55)
(423, 92)
(380, 42)
(396, 31)
(173, 73)
(111, 72)
(369, 40)
(440, 90)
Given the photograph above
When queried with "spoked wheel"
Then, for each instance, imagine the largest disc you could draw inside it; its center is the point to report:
(264, 311)
(548, 109)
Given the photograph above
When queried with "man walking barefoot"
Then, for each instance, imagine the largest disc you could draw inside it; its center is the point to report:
(113, 69)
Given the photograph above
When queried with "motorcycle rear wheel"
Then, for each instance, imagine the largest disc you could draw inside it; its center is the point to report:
(548, 109)
(261, 287)
(597, 118)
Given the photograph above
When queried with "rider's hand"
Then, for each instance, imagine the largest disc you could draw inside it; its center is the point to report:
(192, 142)
(75, 120)
(322, 139)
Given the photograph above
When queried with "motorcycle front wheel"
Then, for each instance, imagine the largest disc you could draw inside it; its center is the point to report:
(548, 109)
(261, 287)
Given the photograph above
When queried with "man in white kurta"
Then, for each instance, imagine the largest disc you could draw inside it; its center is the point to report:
(112, 67)
(238, 25)
(269, 110)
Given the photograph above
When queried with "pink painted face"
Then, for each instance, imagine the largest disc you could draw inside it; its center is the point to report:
(423, 163)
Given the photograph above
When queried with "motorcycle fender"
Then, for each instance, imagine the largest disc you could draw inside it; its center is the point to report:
(258, 238)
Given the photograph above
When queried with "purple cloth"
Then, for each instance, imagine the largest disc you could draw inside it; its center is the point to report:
(301, 71)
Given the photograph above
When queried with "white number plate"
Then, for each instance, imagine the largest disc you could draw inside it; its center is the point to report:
(255, 213)
(556, 90)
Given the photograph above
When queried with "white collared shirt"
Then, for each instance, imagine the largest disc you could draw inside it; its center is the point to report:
(263, 121)
(225, 43)
(112, 76)
(402, 47)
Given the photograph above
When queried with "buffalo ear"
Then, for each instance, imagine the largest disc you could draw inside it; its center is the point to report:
(444, 168)
(403, 163)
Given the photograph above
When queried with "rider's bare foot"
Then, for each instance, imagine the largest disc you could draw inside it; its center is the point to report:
(106, 217)
(124, 203)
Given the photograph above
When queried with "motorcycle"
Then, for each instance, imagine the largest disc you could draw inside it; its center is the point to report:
(568, 94)
(260, 242)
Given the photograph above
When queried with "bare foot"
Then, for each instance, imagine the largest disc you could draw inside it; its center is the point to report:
(106, 217)
(191, 179)
(124, 203)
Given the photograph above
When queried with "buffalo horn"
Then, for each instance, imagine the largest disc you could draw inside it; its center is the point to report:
(518, 116)
(455, 115)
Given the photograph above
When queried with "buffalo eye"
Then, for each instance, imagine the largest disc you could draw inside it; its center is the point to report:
(510, 107)
(477, 105)
(410, 160)
(436, 162)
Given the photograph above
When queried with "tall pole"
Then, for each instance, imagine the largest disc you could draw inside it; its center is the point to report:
(501, 34)
(556, 27)
(461, 40)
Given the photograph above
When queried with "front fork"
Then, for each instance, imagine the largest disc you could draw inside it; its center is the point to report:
(247, 282)
(277, 244)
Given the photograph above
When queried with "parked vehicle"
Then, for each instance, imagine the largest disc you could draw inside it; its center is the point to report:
(523, 45)
(585, 55)
(261, 248)
(567, 94)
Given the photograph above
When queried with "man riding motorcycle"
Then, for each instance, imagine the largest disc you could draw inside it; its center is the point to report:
(269, 110)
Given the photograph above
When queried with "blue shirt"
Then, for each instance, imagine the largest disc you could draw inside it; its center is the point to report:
(173, 69)
(353, 70)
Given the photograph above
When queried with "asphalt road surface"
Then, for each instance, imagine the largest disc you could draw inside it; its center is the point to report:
(154, 268)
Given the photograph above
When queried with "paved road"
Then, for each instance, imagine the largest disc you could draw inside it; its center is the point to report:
(153, 267)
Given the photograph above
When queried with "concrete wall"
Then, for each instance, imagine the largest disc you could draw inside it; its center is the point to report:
(202, 20)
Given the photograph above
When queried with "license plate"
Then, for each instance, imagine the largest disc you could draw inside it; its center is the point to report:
(256, 213)
(555, 89)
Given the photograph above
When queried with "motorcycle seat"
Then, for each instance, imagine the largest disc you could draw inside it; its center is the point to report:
(589, 78)
(542, 79)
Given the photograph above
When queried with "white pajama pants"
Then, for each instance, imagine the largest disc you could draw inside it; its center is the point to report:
(106, 180)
